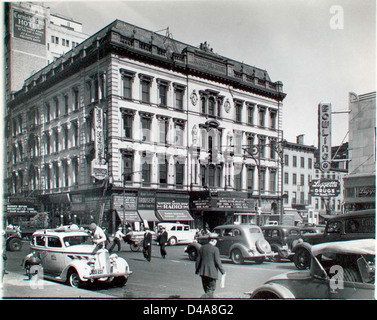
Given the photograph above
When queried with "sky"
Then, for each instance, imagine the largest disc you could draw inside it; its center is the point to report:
(319, 49)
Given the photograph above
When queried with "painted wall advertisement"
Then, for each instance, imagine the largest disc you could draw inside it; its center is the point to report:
(29, 27)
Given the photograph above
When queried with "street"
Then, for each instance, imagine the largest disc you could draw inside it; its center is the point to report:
(174, 277)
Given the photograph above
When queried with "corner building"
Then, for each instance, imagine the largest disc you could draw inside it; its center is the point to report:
(133, 126)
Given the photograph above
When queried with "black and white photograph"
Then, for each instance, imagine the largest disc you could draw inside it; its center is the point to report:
(205, 152)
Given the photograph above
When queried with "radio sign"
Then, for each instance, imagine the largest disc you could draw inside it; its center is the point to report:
(324, 188)
(324, 136)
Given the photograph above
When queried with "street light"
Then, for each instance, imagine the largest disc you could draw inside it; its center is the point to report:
(255, 154)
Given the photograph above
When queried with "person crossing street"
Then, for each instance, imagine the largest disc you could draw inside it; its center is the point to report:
(117, 239)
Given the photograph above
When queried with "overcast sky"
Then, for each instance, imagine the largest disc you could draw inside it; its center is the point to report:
(320, 49)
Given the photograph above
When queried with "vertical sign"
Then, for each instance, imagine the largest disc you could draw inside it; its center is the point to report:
(99, 167)
(29, 27)
(324, 136)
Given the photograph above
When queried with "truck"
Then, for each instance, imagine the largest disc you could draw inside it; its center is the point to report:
(39, 221)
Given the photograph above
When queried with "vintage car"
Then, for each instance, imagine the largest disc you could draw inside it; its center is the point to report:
(348, 226)
(238, 242)
(282, 239)
(13, 239)
(339, 270)
(69, 255)
(178, 232)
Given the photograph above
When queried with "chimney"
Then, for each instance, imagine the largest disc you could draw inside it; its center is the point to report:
(300, 139)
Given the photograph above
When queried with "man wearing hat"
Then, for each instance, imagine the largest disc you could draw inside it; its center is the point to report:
(117, 239)
(147, 244)
(208, 264)
(162, 240)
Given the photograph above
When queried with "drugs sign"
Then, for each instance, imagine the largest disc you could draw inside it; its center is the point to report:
(324, 188)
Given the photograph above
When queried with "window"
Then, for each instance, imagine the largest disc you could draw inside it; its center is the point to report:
(286, 178)
(163, 173)
(179, 172)
(163, 87)
(127, 80)
(250, 115)
(66, 105)
(163, 128)
(145, 91)
(310, 163)
(179, 92)
(128, 160)
(238, 177)
(211, 175)
(302, 179)
(272, 149)
(127, 125)
(203, 105)
(179, 130)
(146, 128)
(238, 107)
(203, 175)
(302, 162)
(211, 106)
(146, 172)
(273, 119)
(262, 113)
(75, 99)
(273, 181)
(294, 179)
(56, 100)
(286, 160)
(250, 178)
(262, 179)
(295, 161)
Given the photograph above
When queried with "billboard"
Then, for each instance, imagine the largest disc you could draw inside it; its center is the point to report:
(29, 27)
(324, 136)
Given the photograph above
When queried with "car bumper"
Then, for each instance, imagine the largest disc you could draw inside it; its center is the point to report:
(107, 275)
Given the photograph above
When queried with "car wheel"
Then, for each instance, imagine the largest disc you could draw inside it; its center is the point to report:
(119, 281)
(259, 260)
(263, 246)
(172, 241)
(193, 254)
(15, 244)
(237, 257)
(301, 259)
(74, 279)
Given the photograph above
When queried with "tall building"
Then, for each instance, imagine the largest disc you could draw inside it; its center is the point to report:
(34, 37)
(132, 126)
(360, 185)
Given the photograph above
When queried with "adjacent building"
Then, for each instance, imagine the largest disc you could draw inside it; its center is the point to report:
(35, 37)
(133, 127)
(360, 184)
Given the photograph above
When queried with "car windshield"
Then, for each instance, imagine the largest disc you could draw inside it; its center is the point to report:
(77, 240)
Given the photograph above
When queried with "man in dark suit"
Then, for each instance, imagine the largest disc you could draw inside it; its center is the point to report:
(162, 240)
(208, 264)
(147, 245)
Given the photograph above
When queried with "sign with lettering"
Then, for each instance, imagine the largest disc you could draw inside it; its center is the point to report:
(146, 200)
(366, 191)
(324, 136)
(20, 209)
(29, 27)
(99, 167)
(324, 188)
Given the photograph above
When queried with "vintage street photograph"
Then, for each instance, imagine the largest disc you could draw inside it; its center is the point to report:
(175, 151)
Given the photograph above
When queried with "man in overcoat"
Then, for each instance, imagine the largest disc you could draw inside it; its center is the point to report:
(208, 264)
(147, 244)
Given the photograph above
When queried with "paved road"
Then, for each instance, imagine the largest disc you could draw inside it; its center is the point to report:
(173, 277)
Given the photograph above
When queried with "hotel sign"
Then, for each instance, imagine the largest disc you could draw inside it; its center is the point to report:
(324, 188)
(99, 167)
(324, 136)
(29, 27)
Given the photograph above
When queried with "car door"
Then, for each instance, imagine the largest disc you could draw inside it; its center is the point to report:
(55, 256)
(39, 246)
(225, 240)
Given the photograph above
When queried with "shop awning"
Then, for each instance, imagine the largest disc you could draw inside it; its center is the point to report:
(128, 216)
(174, 215)
(148, 215)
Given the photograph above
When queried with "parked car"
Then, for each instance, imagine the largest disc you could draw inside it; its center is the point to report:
(339, 270)
(237, 242)
(13, 240)
(282, 239)
(67, 255)
(353, 225)
(178, 232)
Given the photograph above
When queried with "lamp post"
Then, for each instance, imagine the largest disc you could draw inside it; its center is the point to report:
(255, 153)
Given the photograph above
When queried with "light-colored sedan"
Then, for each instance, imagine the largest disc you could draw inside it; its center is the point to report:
(69, 255)
(339, 270)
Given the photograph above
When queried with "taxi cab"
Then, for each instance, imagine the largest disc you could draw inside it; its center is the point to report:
(67, 255)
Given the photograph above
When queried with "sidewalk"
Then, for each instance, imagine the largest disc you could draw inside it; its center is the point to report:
(18, 286)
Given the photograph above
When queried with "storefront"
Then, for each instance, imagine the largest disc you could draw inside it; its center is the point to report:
(360, 192)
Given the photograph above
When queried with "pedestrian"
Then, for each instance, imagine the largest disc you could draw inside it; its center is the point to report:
(162, 240)
(117, 239)
(99, 237)
(208, 264)
(147, 244)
